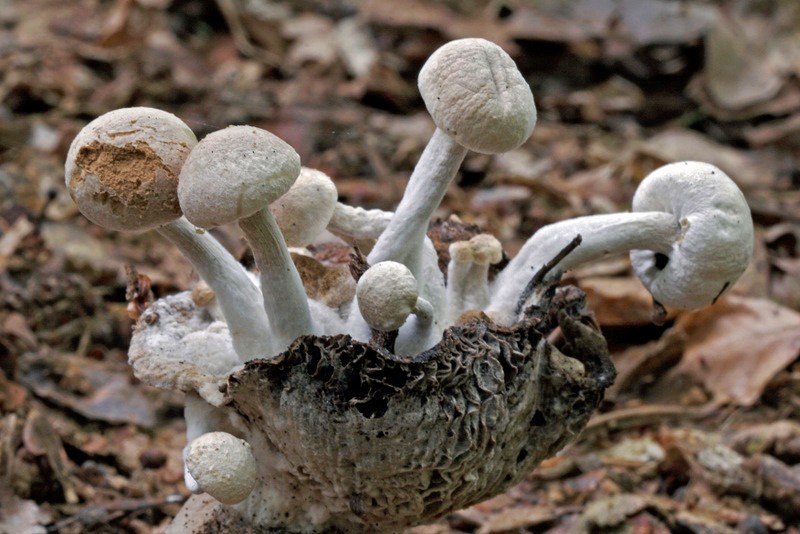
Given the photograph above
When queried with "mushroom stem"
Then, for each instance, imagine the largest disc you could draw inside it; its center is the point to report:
(284, 296)
(468, 275)
(238, 297)
(402, 240)
(602, 235)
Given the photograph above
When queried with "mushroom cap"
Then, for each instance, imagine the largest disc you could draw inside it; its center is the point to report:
(481, 249)
(387, 294)
(716, 241)
(122, 168)
(233, 173)
(306, 209)
(475, 93)
(223, 466)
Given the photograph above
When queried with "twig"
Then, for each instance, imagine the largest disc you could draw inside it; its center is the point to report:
(544, 270)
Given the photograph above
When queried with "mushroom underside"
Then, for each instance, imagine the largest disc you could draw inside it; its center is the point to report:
(387, 442)
(351, 437)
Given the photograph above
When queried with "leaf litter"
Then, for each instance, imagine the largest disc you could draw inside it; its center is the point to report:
(700, 433)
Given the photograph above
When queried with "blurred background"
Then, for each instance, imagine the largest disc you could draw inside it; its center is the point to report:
(701, 432)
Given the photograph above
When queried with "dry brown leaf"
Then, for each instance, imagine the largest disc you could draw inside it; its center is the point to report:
(618, 301)
(738, 345)
(17, 515)
(516, 519)
(678, 144)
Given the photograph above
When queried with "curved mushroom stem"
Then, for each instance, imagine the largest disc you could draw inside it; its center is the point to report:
(403, 238)
(418, 333)
(284, 296)
(239, 299)
(602, 235)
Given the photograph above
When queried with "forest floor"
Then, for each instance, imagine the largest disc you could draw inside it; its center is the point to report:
(701, 431)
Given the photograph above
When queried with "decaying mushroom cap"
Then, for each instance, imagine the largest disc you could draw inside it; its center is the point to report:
(383, 442)
(122, 168)
(178, 346)
(475, 93)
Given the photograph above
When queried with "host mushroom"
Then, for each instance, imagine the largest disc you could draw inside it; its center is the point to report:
(233, 175)
(690, 237)
(122, 171)
(223, 466)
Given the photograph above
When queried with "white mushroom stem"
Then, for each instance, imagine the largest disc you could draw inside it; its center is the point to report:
(602, 235)
(238, 298)
(403, 238)
(284, 296)
(468, 275)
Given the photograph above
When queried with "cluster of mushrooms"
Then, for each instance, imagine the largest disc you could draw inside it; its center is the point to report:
(419, 390)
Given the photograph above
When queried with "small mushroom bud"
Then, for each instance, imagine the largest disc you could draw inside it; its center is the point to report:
(690, 237)
(387, 295)
(223, 466)
(305, 210)
(233, 175)
(122, 171)
(468, 274)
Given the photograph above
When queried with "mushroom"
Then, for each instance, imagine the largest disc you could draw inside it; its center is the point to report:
(233, 175)
(122, 171)
(479, 101)
(468, 274)
(690, 235)
(387, 294)
(305, 210)
(223, 466)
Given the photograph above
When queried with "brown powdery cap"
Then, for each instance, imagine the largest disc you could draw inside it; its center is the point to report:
(122, 168)
(233, 173)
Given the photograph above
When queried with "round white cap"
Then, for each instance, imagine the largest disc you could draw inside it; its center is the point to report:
(223, 466)
(233, 173)
(475, 93)
(716, 241)
(305, 210)
(387, 294)
(122, 168)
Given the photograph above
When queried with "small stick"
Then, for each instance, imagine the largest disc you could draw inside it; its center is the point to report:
(545, 269)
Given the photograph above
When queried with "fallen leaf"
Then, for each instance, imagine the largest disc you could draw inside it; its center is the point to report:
(515, 519)
(18, 516)
(738, 345)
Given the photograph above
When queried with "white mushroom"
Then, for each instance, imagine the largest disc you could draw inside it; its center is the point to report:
(690, 233)
(122, 171)
(468, 274)
(233, 175)
(304, 211)
(223, 466)
(387, 294)
(479, 101)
